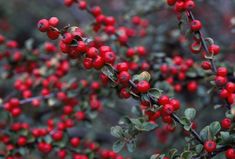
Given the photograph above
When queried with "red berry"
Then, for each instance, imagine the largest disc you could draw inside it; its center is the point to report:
(124, 77)
(123, 66)
(110, 20)
(57, 136)
(189, 4)
(98, 63)
(206, 65)
(220, 81)
(171, 2)
(168, 109)
(96, 11)
(82, 4)
(143, 86)
(87, 63)
(230, 87)
(16, 112)
(163, 100)
(54, 21)
(130, 52)
(179, 6)
(92, 52)
(22, 141)
(75, 141)
(61, 154)
(214, 49)
(192, 86)
(196, 25)
(43, 25)
(226, 123)
(223, 94)
(222, 71)
(67, 38)
(210, 146)
(230, 153)
(141, 50)
(175, 103)
(68, 3)
(109, 57)
(124, 93)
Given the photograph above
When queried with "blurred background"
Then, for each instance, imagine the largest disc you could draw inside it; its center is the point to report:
(18, 19)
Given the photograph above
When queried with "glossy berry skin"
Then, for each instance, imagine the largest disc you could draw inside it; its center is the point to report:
(98, 63)
(189, 4)
(143, 86)
(168, 109)
(210, 146)
(206, 65)
(82, 5)
(226, 123)
(54, 21)
(124, 77)
(214, 49)
(171, 2)
(124, 93)
(220, 81)
(67, 38)
(57, 136)
(223, 94)
(43, 25)
(123, 66)
(22, 141)
(192, 86)
(92, 52)
(222, 71)
(196, 25)
(75, 142)
(163, 100)
(230, 153)
(230, 87)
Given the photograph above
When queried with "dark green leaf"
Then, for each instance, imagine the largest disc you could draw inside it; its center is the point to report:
(116, 131)
(215, 128)
(118, 145)
(190, 113)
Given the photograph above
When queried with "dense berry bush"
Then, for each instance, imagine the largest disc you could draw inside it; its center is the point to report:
(119, 86)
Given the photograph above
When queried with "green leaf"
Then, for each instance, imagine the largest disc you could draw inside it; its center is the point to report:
(205, 133)
(191, 74)
(199, 148)
(155, 93)
(125, 120)
(118, 145)
(147, 126)
(108, 70)
(190, 113)
(215, 128)
(131, 145)
(225, 136)
(186, 155)
(136, 110)
(116, 131)
(186, 122)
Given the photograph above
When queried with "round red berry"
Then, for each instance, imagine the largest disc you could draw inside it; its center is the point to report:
(196, 25)
(226, 123)
(143, 86)
(43, 25)
(210, 146)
